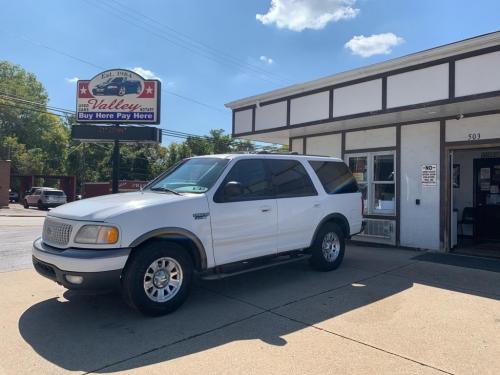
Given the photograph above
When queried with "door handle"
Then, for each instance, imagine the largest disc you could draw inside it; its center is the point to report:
(265, 208)
(317, 205)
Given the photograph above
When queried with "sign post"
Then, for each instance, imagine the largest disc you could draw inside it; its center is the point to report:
(116, 165)
(117, 96)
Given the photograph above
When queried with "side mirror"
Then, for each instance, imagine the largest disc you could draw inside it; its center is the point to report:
(233, 189)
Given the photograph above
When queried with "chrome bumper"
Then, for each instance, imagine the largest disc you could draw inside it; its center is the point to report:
(78, 260)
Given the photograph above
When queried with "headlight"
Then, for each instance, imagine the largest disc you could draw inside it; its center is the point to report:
(97, 234)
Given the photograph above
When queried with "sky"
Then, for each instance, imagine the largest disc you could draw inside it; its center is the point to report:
(208, 53)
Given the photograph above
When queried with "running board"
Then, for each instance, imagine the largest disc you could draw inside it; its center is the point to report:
(219, 273)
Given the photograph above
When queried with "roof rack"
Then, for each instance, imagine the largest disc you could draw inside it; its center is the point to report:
(277, 153)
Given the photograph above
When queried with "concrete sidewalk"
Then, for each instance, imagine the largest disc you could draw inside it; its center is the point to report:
(17, 210)
(382, 312)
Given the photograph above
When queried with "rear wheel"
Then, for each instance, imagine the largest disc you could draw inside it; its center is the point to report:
(25, 204)
(122, 91)
(158, 278)
(40, 205)
(328, 248)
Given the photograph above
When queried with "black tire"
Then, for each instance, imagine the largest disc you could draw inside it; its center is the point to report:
(134, 277)
(40, 206)
(122, 91)
(25, 204)
(318, 258)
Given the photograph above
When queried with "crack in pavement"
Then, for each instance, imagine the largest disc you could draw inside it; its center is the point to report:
(174, 343)
(271, 311)
(362, 343)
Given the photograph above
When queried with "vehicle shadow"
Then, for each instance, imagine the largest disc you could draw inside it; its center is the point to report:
(91, 333)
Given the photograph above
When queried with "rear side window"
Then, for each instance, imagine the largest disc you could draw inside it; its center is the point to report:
(56, 193)
(335, 177)
(290, 179)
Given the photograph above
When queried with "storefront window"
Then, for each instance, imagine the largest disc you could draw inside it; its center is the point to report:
(375, 174)
(384, 198)
(359, 168)
(383, 167)
(383, 184)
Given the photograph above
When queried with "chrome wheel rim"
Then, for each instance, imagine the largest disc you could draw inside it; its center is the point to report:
(163, 279)
(331, 246)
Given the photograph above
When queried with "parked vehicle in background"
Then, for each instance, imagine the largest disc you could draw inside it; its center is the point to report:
(216, 215)
(32, 189)
(43, 198)
(13, 196)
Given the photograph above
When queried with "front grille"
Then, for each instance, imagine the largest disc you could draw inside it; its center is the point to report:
(56, 233)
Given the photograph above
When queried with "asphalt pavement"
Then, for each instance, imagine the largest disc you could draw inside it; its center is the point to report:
(17, 235)
(384, 311)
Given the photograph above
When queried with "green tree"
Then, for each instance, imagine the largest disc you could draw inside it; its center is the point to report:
(24, 118)
(221, 143)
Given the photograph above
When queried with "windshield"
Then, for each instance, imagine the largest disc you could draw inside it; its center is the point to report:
(195, 175)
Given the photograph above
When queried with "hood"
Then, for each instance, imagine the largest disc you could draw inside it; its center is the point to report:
(106, 206)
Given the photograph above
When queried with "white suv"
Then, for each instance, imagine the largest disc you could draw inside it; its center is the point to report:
(213, 215)
(43, 198)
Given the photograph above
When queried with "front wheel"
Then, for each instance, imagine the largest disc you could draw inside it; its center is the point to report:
(328, 248)
(25, 204)
(158, 278)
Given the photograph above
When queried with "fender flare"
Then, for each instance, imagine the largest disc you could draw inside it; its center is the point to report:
(333, 217)
(172, 232)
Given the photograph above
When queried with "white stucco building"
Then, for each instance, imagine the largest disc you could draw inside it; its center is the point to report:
(421, 133)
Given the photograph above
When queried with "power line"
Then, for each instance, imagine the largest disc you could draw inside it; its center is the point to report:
(32, 109)
(24, 101)
(35, 108)
(186, 38)
(183, 41)
(187, 98)
(39, 107)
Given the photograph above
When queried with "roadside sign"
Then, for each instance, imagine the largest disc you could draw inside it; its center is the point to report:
(429, 175)
(118, 96)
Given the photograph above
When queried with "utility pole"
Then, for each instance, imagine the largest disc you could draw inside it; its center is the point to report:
(82, 174)
(116, 165)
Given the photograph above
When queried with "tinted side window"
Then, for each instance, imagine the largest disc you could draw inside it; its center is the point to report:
(253, 176)
(290, 179)
(58, 193)
(335, 177)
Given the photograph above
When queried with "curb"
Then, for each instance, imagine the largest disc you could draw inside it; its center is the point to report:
(14, 215)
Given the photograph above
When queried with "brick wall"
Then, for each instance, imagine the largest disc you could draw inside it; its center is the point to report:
(4, 182)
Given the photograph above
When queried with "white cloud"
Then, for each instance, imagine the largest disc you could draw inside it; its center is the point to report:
(145, 73)
(266, 60)
(377, 44)
(72, 80)
(298, 15)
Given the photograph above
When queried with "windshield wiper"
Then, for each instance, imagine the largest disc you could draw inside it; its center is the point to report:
(161, 188)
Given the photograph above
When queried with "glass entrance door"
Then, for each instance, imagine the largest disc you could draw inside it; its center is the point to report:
(487, 198)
